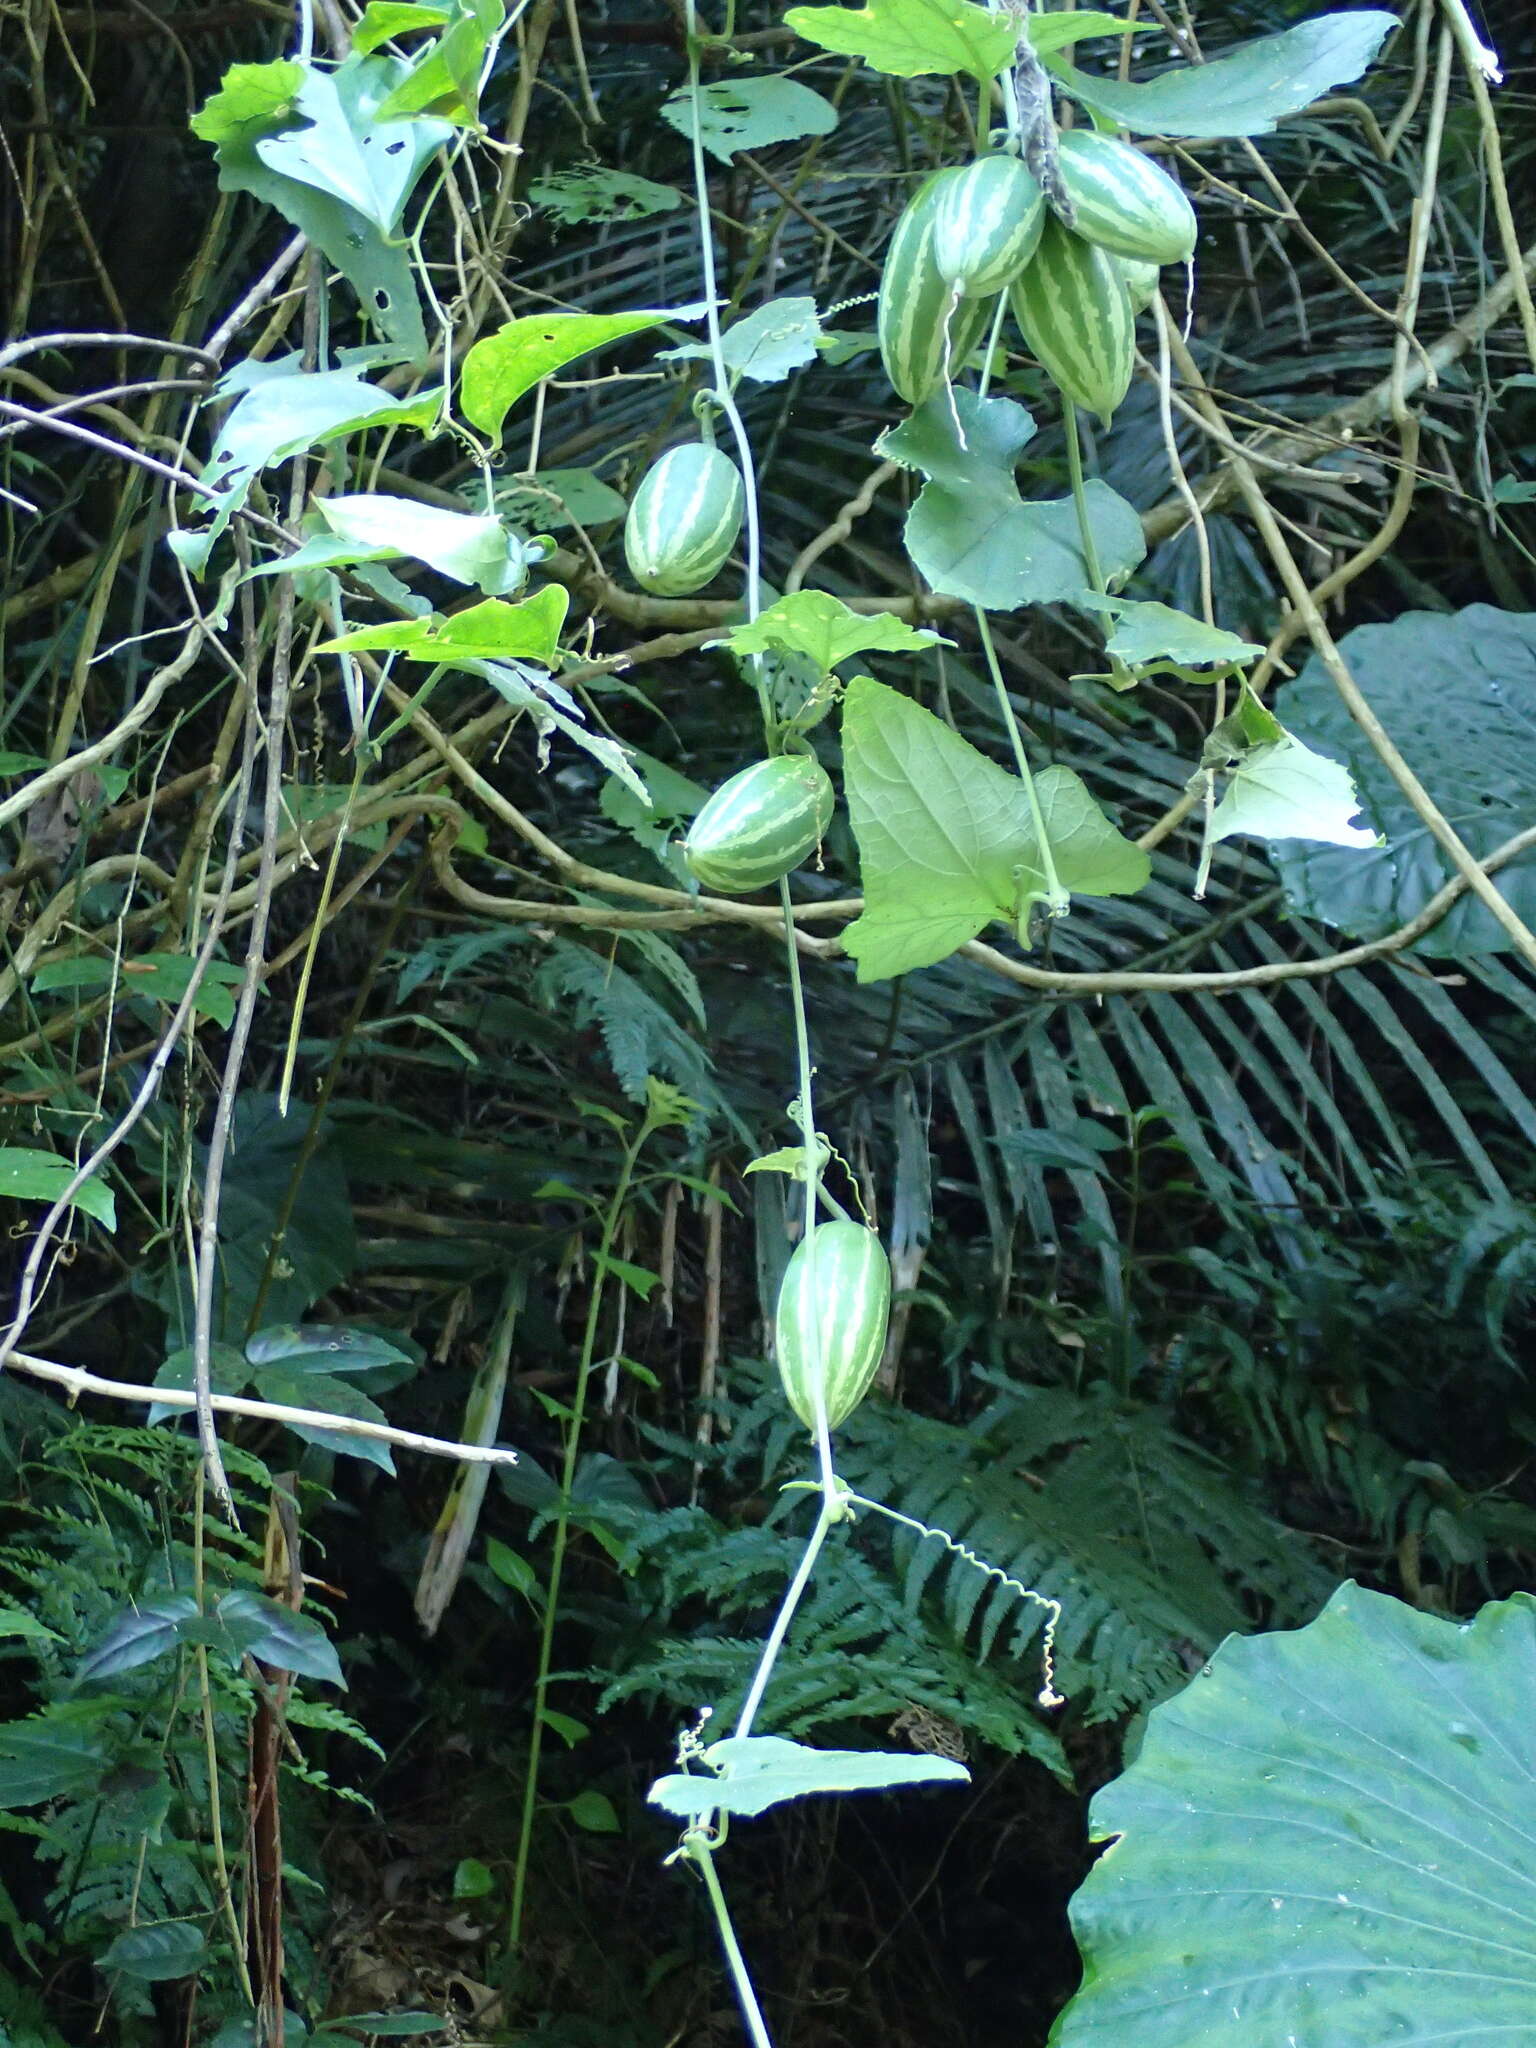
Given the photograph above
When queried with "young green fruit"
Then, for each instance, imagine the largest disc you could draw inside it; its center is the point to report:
(1123, 201)
(923, 333)
(760, 825)
(683, 520)
(986, 224)
(1141, 281)
(829, 1330)
(1074, 313)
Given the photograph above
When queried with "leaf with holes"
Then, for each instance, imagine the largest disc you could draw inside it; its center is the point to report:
(971, 533)
(914, 38)
(506, 365)
(322, 1347)
(1247, 93)
(947, 841)
(280, 410)
(346, 150)
(767, 345)
(594, 193)
(750, 113)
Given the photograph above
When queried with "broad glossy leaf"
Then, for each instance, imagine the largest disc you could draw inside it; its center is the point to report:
(970, 532)
(751, 113)
(914, 38)
(262, 1628)
(825, 631)
(156, 1953)
(1246, 93)
(300, 1389)
(29, 1174)
(1457, 695)
(50, 1757)
(489, 631)
(768, 345)
(138, 1635)
(1326, 1839)
(749, 1773)
(468, 548)
(946, 837)
(322, 1347)
(507, 364)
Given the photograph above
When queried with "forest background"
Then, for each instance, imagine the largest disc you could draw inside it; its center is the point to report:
(417, 1094)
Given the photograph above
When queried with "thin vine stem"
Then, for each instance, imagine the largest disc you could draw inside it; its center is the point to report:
(699, 1850)
(1057, 901)
(611, 1220)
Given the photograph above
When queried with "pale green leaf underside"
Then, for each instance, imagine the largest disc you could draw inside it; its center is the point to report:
(1247, 93)
(1325, 1839)
(750, 1773)
(750, 113)
(1286, 791)
(768, 345)
(1146, 632)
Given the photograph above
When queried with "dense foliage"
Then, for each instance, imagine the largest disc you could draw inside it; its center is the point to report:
(440, 446)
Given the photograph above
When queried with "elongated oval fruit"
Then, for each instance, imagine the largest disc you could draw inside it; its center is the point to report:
(760, 824)
(987, 220)
(1074, 313)
(683, 520)
(922, 331)
(829, 1330)
(1123, 201)
(1141, 281)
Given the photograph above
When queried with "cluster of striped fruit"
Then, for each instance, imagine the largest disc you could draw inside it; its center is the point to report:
(1077, 268)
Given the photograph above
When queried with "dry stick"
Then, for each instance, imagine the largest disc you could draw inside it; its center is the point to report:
(144, 1095)
(1421, 802)
(245, 1007)
(78, 1381)
(1480, 65)
(61, 771)
(1339, 427)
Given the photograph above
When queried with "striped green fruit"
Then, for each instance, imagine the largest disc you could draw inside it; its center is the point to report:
(923, 332)
(986, 225)
(683, 520)
(1074, 313)
(760, 824)
(1123, 201)
(829, 1330)
(1141, 281)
